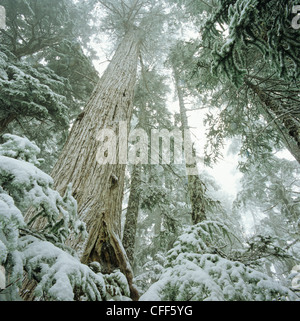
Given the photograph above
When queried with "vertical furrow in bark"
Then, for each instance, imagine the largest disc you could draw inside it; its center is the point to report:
(132, 213)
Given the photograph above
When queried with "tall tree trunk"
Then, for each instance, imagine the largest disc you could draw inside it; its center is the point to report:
(157, 229)
(196, 188)
(278, 115)
(98, 188)
(129, 234)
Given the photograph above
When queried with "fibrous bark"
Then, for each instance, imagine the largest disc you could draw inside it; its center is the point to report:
(132, 213)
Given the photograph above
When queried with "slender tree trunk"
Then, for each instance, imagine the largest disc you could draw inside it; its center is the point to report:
(157, 229)
(98, 188)
(129, 234)
(275, 111)
(196, 188)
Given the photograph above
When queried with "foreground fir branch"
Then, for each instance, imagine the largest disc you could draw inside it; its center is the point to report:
(193, 273)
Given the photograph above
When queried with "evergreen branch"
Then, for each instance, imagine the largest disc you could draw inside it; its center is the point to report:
(87, 77)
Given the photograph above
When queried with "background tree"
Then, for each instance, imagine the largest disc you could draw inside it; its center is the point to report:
(270, 192)
(148, 191)
(194, 71)
(149, 110)
(41, 65)
(254, 47)
(195, 186)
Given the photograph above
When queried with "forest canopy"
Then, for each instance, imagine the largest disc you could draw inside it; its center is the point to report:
(149, 150)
